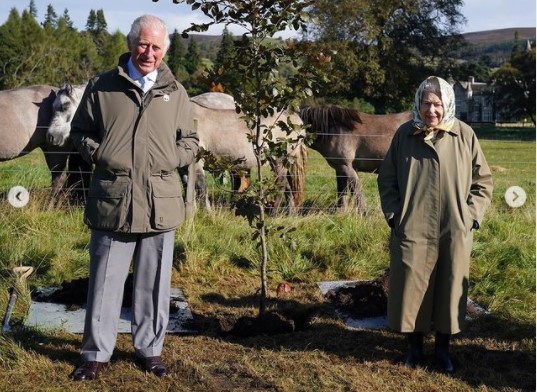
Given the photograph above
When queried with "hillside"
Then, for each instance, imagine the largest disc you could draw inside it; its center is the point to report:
(501, 35)
(494, 44)
(208, 44)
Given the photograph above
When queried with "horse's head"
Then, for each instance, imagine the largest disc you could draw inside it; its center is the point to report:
(64, 108)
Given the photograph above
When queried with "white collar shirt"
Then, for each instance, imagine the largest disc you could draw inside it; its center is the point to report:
(145, 82)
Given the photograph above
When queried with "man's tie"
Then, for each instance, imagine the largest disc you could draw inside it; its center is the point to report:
(142, 84)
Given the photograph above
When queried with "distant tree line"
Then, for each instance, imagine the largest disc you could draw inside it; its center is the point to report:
(375, 53)
(53, 51)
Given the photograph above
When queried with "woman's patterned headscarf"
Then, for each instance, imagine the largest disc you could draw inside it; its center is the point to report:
(447, 95)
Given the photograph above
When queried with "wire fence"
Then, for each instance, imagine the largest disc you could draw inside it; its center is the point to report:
(320, 192)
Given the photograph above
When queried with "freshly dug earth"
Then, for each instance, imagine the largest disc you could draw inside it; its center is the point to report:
(370, 299)
(364, 299)
(270, 323)
(285, 320)
(74, 294)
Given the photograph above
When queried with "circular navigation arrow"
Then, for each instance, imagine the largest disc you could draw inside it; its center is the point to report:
(18, 196)
(515, 196)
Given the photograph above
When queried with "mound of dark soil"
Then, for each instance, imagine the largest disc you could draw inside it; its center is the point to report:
(74, 293)
(370, 299)
(270, 323)
(364, 299)
(285, 320)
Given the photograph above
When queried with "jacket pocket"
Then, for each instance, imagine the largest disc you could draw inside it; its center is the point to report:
(467, 218)
(168, 210)
(107, 203)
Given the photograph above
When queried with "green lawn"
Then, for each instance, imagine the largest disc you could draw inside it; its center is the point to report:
(217, 268)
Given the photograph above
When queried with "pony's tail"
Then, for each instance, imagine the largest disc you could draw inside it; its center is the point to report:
(297, 174)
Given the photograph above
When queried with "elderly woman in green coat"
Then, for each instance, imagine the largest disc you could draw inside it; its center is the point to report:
(434, 186)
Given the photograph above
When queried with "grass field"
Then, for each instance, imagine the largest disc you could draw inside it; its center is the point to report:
(216, 266)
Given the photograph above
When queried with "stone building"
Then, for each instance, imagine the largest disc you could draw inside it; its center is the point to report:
(474, 101)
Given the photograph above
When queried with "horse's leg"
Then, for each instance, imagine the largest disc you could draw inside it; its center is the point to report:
(285, 176)
(342, 181)
(244, 181)
(290, 196)
(238, 182)
(201, 186)
(296, 176)
(282, 180)
(56, 161)
(348, 185)
(78, 177)
(355, 189)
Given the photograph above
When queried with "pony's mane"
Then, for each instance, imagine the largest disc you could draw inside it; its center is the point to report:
(66, 88)
(330, 119)
(72, 91)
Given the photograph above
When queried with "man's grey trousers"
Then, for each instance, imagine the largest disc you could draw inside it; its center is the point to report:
(111, 255)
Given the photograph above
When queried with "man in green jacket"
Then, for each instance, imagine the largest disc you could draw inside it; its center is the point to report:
(134, 124)
(435, 186)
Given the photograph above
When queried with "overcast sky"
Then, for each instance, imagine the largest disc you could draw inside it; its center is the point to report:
(481, 14)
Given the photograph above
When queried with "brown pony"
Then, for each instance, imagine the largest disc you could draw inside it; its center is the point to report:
(351, 141)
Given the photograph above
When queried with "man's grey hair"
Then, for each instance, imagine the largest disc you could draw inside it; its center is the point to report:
(150, 21)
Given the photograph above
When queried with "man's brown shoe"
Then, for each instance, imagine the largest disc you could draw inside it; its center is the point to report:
(88, 371)
(153, 365)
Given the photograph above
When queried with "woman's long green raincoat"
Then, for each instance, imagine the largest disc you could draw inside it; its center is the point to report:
(434, 191)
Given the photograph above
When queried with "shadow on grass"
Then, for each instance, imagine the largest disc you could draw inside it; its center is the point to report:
(51, 346)
(493, 351)
(57, 348)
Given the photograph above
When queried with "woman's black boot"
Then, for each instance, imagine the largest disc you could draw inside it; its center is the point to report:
(441, 351)
(415, 352)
